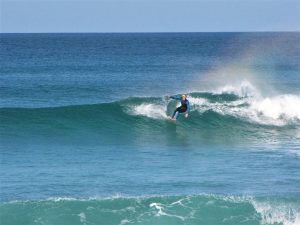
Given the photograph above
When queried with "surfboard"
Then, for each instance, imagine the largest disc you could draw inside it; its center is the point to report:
(169, 117)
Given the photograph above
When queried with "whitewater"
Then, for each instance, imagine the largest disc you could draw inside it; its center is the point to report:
(243, 101)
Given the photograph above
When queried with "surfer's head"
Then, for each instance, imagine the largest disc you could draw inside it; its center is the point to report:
(183, 97)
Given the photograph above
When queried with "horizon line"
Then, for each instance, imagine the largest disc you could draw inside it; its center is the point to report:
(147, 32)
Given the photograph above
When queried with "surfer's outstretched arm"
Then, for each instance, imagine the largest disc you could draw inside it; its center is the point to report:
(175, 97)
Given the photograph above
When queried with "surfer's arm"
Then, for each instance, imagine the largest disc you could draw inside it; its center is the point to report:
(175, 97)
(188, 107)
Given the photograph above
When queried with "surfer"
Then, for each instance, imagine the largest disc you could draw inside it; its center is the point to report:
(184, 108)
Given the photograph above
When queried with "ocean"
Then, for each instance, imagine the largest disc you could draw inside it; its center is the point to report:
(86, 139)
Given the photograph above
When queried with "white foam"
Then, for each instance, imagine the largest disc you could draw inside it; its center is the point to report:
(277, 213)
(278, 107)
(178, 202)
(160, 212)
(197, 101)
(159, 207)
(82, 217)
(125, 221)
(58, 199)
(276, 110)
(150, 110)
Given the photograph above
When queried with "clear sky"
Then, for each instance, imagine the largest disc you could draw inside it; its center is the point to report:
(149, 15)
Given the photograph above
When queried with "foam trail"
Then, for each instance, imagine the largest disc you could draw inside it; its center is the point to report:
(159, 208)
(160, 212)
(82, 217)
(150, 110)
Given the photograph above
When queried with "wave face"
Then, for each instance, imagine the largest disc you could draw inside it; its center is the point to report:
(197, 209)
(238, 114)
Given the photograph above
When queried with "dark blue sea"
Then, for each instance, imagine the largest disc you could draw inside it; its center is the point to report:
(86, 139)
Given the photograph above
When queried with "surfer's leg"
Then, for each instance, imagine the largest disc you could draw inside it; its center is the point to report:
(182, 110)
(175, 113)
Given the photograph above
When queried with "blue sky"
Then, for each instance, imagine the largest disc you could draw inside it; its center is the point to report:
(149, 15)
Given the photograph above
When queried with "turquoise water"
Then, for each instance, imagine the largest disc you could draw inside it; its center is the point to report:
(200, 209)
(85, 137)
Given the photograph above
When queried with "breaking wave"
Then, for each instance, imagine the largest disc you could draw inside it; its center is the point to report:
(229, 112)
